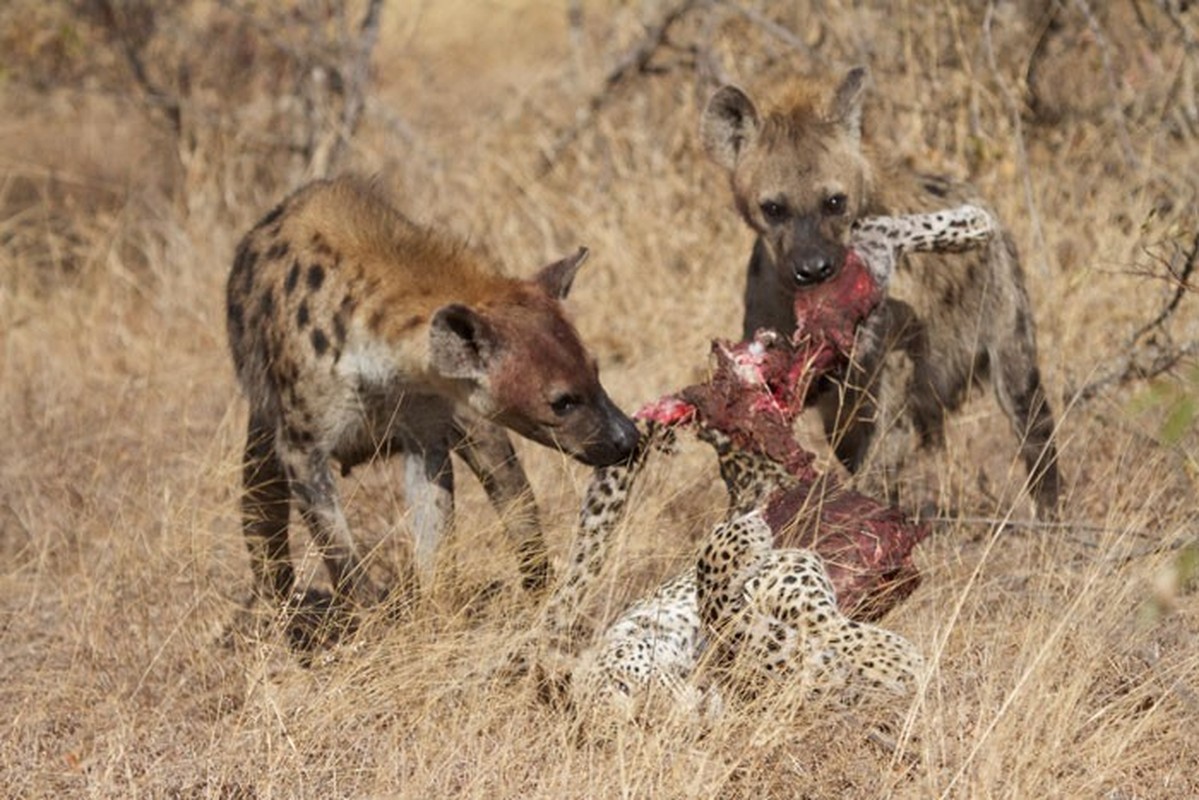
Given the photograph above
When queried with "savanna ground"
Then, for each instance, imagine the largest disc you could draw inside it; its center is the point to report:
(139, 140)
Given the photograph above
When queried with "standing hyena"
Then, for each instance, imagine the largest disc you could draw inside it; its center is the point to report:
(801, 175)
(356, 333)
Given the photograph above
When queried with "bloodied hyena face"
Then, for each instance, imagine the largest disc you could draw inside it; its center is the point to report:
(527, 369)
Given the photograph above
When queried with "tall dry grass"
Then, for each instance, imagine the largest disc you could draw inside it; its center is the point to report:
(1063, 661)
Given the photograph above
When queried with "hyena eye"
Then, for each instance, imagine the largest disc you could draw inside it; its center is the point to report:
(773, 211)
(835, 204)
(564, 404)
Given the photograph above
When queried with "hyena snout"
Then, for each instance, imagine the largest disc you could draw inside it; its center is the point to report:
(588, 427)
(614, 438)
(809, 257)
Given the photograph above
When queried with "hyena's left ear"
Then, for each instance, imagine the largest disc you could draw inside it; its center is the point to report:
(557, 278)
(728, 126)
(846, 107)
(461, 343)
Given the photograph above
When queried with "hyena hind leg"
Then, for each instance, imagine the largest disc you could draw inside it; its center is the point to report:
(1021, 395)
(314, 489)
(265, 506)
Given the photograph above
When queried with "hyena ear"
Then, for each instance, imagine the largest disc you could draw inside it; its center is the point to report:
(461, 342)
(556, 279)
(729, 126)
(847, 102)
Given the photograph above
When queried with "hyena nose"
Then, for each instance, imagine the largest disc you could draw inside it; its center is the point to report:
(622, 433)
(812, 270)
(613, 440)
(625, 435)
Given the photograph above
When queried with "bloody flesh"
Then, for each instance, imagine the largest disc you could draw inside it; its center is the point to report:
(756, 390)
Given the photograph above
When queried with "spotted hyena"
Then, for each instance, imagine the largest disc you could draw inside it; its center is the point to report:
(356, 333)
(802, 173)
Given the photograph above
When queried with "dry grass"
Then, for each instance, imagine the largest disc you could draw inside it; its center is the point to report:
(1064, 662)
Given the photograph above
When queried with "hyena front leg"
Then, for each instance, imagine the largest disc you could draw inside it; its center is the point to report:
(265, 506)
(488, 451)
(429, 493)
(889, 440)
(314, 489)
(866, 415)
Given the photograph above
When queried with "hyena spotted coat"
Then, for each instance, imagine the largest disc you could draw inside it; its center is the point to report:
(802, 174)
(356, 333)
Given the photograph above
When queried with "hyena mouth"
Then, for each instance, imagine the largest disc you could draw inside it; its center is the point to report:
(835, 307)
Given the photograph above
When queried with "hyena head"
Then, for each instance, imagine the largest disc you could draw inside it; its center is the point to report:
(523, 365)
(799, 176)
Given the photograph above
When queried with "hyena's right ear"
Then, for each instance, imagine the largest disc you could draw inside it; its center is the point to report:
(461, 342)
(556, 279)
(846, 107)
(728, 126)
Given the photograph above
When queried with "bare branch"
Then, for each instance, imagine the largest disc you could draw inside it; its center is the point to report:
(1183, 278)
(707, 64)
(634, 61)
(1131, 369)
(1189, 39)
(1174, 686)
(116, 21)
(1113, 83)
(356, 80)
(783, 34)
(269, 34)
(1018, 134)
(574, 21)
(1157, 542)
(1146, 356)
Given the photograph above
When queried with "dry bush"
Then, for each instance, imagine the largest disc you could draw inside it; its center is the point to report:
(1064, 660)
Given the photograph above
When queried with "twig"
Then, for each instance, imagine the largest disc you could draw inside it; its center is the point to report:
(268, 34)
(357, 79)
(892, 747)
(1018, 133)
(352, 86)
(1184, 277)
(1156, 548)
(1033, 71)
(1183, 90)
(1134, 370)
(1036, 524)
(634, 61)
(773, 28)
(1164, 547)
(711, 72)
(1130, 155)
(158, 97)
(330, 68)
(1189, 40)
(877, 736)
(574, 21)
(1177, 687)
(1131, 368)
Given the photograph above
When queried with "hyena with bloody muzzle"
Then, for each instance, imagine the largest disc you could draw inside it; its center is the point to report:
(357, 333)
(802, 173)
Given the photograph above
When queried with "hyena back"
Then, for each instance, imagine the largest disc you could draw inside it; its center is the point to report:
(356, 333)
(801, 175)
